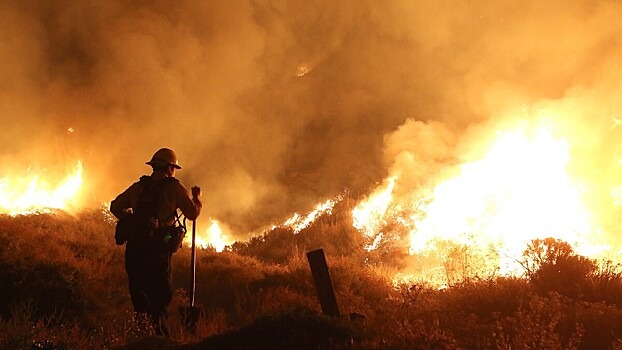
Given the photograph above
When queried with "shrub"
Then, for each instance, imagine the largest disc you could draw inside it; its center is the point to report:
(552, 265)
(63, 285)
(538, 325)
(605, 284)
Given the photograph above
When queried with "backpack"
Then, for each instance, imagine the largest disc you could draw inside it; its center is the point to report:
(141, 227)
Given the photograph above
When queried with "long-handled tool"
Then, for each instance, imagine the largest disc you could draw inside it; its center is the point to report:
(193, 263)
(191, 315)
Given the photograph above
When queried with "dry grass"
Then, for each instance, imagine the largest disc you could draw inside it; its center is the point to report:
(63, 286)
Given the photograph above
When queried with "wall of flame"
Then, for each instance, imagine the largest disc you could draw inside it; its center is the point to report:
(272, 106)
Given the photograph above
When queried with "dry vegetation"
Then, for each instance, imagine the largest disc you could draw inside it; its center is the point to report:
(63, 286)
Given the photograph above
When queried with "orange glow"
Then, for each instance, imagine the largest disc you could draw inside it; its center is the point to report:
(368, 215)
(213, 237)
(517, 190)
(36, 194)
(298, 222)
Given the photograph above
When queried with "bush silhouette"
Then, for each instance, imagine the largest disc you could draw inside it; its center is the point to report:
(63, 284)
(553, 266)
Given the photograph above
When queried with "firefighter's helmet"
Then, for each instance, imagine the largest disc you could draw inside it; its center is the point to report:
(164, 156)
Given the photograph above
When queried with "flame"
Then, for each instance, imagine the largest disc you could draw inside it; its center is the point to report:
(35, 194)
(368, 215)
(214, 237)
(297, 222)
(519, 190)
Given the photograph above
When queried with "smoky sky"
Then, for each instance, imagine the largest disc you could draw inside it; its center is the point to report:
(272, 106)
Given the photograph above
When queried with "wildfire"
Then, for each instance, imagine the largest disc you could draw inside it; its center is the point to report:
(298, 222)
(518, 191)
(35, 194)
(368, 215)
(214, 237)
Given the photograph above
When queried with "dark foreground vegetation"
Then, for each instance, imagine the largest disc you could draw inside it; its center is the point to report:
(63, 286)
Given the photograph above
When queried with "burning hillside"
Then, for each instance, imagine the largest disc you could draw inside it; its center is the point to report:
(36, 192)
(422, 143)
(518, 184)
(515, 185)
(454, 123)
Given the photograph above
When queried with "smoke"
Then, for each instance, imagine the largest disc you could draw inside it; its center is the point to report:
(271, 106)
(517, 62)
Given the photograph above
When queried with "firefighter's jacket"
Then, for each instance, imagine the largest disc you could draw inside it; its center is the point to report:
(173, 196)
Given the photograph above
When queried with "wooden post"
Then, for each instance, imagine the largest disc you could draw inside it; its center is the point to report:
(323, 284)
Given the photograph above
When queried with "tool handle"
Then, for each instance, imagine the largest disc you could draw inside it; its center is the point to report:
(193, 263)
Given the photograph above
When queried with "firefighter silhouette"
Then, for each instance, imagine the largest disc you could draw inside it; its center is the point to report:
(153, 203)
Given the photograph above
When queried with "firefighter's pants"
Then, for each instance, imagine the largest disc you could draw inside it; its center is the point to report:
(150, 284)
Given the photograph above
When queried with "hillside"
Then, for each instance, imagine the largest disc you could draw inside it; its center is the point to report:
(63, 286)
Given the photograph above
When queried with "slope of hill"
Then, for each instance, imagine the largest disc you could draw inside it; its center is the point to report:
(63, 286)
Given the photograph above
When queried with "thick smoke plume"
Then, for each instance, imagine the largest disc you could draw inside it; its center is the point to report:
(272, 106)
